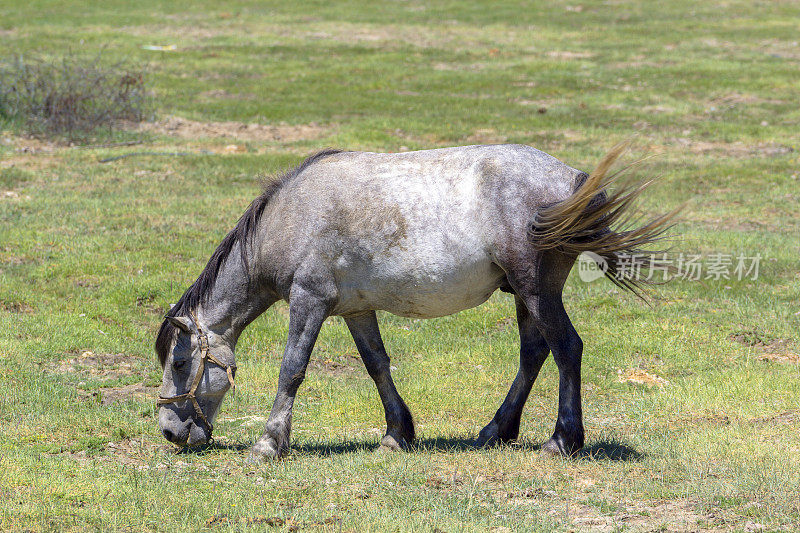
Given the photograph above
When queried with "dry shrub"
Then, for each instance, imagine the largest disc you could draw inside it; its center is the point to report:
(71, 96)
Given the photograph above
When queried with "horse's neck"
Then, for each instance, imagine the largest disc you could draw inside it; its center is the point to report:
(235, 300)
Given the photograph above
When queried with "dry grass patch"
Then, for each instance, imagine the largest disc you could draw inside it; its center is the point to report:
(640, 377)
(108, 368)
(567, 55)
(105, 365)
(222, 94)
(13, 195)
(780, 357)
(742, 98)
(191, 129)
(135, 392)
(665, 516)
(390, 36)
(15, 307)
(486, 136)
(786, 417)
(733, 149)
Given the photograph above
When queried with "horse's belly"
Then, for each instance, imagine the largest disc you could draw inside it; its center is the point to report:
(423, 291)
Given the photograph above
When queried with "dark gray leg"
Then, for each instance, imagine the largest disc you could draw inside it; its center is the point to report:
(538, 279)
(567, 349)
(399, 424)
(504, 427)
(307, 312)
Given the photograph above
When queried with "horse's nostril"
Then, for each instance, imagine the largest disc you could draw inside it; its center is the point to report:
(169, 435)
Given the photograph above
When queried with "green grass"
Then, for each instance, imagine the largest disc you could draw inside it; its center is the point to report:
(91, 255)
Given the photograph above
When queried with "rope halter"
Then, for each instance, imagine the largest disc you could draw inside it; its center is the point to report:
(202, 341)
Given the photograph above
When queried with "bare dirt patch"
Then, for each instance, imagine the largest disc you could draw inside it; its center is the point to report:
(705, 420)
(486, 136)
(221, 94)
(136, 391)
(567, 55)
(640, 377)
(147, 303)
(733, 149)
(781, 358)
(9, 258)
(753, 337)
(780, 48)
(30, 145)
(541, 105)
(31, 162)
(771, 350)
(227, 522)
(13, 195)
(740, 98)
(767, 349)
(666, 516)
(639, 63)
(191, 129)
(462, 37)
(455, 67)
(334, 368)
(15, 307)
(136, 451)
(786, 417)
(628, 515)
(30, 154)
(224, 520)
(105, 365)
(425, 139)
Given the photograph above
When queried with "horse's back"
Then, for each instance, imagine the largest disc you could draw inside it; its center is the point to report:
(414, 233)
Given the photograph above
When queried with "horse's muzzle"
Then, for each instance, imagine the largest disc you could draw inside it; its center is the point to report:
(182, 432)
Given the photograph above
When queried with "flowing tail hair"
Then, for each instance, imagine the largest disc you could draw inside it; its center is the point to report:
(603, 222)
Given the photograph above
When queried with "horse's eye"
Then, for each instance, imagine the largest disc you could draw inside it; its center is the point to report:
(177, 365)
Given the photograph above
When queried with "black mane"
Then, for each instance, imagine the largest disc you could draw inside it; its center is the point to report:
(242, 233)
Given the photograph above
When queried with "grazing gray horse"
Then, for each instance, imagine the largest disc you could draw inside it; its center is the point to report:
(418, 234)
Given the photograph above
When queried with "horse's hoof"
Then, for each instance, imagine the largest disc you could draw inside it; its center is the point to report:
(390, 444)
(484, 441)
(492, 436)
(559, 449)
(488, 436)
(265, 449)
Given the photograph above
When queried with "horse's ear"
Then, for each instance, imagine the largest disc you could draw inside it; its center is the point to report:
(181, 322)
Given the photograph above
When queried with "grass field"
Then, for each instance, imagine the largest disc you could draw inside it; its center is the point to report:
(692, 406)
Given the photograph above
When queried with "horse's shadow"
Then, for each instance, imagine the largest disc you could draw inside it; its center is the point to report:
(610, 450)
(602, 450)
(439, 444)
(212, 447)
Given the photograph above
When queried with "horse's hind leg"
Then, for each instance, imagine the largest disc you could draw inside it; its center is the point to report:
(399, 424)
(307, 312)
(504, 427)
(538, 281)
(567, 349)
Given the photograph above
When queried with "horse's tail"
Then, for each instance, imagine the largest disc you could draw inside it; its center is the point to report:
(600, 221)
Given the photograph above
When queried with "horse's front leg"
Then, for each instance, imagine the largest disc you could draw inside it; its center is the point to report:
(533, 351)
(399, 423)
(307, 312)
